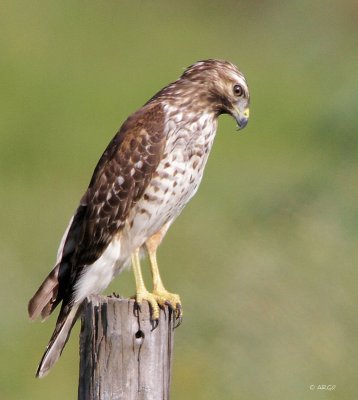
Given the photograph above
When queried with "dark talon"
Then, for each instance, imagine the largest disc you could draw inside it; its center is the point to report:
(155, 323)
(136, 309)
(178, 315)
(180, 320)
(179, 309)
(170, 305)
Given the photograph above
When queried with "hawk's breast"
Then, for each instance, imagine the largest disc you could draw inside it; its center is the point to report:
(177, 177)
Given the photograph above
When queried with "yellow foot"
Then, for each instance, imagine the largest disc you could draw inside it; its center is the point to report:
(151, 299)
(163, 298)
(160, 299)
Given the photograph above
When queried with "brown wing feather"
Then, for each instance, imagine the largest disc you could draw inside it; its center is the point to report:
(119, 180)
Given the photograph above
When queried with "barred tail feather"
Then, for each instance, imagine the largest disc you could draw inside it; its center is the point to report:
(45, 300)
(42, 302)
(59, 338)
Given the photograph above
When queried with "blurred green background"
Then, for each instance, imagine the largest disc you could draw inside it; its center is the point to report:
(265, 256)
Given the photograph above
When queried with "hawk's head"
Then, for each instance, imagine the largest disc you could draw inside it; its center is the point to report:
(209, 86)
(218, 86)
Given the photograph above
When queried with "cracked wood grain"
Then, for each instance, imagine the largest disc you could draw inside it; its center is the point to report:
(121, 356)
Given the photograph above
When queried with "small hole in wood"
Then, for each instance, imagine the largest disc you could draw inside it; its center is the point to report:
(139, 335)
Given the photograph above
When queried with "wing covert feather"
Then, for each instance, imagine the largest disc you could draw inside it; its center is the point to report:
(119, 180)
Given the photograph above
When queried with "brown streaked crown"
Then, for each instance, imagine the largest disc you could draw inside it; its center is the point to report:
(205, 86)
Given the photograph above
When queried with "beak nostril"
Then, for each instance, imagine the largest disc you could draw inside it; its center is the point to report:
(241, 116)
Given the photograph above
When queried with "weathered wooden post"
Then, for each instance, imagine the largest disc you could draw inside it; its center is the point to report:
(121, 356)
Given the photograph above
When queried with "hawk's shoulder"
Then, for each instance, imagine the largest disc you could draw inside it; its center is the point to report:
(142, 127)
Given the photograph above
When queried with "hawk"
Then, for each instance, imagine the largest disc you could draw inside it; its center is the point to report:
(145, 177)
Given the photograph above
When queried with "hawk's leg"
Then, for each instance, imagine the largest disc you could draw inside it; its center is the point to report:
(162, 296)
(141, 291)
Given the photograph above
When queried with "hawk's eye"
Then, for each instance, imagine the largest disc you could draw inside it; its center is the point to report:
(238, 90)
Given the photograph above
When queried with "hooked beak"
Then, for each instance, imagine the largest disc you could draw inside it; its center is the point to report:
(241, 117)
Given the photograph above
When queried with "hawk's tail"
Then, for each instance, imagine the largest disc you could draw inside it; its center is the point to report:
(44, 301)
(64, 324)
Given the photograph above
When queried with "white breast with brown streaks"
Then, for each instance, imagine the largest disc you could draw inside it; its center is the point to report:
(177, 177)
